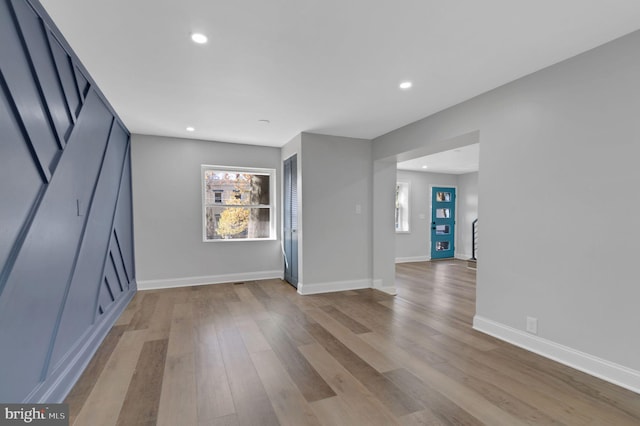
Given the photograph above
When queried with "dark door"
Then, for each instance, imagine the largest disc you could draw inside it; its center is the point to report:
(290, 225)
(443, 223)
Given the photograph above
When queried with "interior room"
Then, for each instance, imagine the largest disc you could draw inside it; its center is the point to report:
(320, 212)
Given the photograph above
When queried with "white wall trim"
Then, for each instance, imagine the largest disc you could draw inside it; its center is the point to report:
(462, 256)
(389, 290)
(598, 367)
(412, 259)
(377, 284)
(212, 279)
(64, 375)
(333, 286)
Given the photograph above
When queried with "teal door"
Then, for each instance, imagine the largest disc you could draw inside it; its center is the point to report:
(443, 222)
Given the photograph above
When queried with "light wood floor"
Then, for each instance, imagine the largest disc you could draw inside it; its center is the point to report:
(257, 353)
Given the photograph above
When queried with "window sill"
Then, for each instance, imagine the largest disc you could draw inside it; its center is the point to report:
(235, 240)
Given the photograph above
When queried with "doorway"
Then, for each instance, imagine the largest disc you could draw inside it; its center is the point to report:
(290, 220)
(443, 223)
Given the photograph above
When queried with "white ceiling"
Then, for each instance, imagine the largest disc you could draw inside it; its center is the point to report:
(457, 161)
(324, 66)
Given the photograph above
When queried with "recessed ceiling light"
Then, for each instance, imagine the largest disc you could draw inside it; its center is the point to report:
(191, 129)
(264, 121)
(424, 167)
(199, 38)
(406, 85)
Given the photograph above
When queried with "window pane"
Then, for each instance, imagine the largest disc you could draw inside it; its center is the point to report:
(442, 229)
(237, 203)
(442, 245)
(443, 213)
(237, 223)
(236, 188)
(443, 197)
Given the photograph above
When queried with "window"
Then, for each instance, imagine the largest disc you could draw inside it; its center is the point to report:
(443, 229)
(238, 203)
(442, 245)
(443, 197)
(402, 207)
(443, 213)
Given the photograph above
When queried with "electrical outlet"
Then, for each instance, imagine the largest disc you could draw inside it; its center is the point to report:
(532, 325)
(358, 209)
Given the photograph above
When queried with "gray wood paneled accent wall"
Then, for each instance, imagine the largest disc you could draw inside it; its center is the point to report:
(66, 237)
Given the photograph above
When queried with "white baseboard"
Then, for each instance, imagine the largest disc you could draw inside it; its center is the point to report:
(461, 256)
(412, 259)
(377, 284)
(212, 279)
(598, 367)
(64, 375)
(330, 287)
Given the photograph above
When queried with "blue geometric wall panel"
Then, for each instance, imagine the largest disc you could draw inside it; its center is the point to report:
(66, 235)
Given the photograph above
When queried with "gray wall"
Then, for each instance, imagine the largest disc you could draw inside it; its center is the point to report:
(556, 144)
(416, 245)
(336, 177)
(467, 212)
(383, 230)
(168, 214)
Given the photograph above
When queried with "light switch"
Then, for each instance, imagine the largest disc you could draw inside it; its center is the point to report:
(358, 209)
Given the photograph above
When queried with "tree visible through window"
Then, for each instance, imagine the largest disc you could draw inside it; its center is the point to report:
(237, 203)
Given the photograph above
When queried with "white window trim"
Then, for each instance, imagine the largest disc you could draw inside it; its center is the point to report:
(272, 201)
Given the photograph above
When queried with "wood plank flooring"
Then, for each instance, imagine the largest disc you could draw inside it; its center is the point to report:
(257, 353)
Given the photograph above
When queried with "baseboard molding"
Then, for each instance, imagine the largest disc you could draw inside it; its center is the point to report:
(598, 367)
(56, 387)
(377, 284)
(389, 290)
(462, 256)
(330, 287)
(412, 259)
(211, 279)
